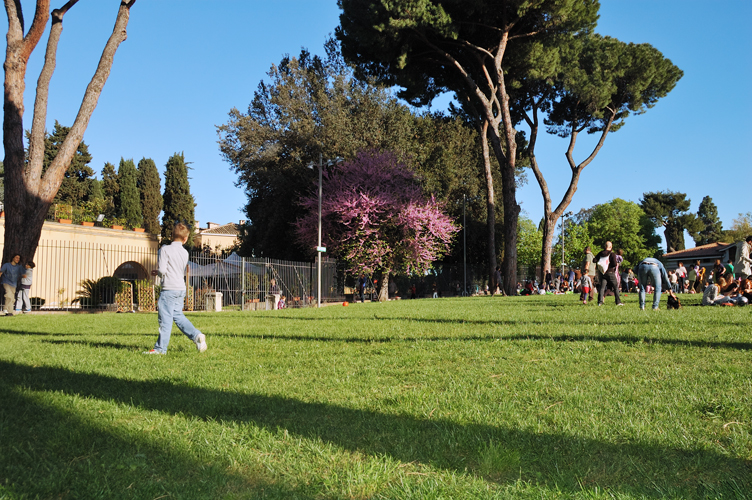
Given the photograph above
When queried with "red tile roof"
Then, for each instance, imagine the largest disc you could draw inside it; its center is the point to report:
(710, 250)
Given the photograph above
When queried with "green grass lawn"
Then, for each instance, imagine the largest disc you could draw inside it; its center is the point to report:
(526, 397)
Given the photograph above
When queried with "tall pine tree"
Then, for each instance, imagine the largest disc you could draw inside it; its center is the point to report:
(76, 183)
(178, 201)
(150, 188)
(711, 227)
(111, 189)
(130, 201)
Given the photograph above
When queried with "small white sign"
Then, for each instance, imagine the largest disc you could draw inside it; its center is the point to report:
(321, 249)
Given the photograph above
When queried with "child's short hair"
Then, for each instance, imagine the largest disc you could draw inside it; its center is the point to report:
(180, 232)
(31, 264)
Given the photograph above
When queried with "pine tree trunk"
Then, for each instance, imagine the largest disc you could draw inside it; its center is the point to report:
(490, 207)
(549, 226)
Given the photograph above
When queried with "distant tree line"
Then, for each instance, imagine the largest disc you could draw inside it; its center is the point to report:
(130, 194)
(631, 227)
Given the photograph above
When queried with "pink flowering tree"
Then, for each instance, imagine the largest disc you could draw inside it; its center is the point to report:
(375, 217)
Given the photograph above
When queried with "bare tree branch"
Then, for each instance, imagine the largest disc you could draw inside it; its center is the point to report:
(54, 175)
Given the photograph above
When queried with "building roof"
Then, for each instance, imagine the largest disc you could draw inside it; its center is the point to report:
(230, 229)
(711, 250)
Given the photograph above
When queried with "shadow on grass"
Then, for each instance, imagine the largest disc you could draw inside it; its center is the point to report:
(556, 461)
(51, 453)
(495, 337)
(105, 345)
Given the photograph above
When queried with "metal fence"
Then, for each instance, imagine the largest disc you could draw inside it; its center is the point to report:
(74, 275)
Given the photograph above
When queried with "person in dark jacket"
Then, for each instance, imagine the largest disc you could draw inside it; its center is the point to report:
(609, 277)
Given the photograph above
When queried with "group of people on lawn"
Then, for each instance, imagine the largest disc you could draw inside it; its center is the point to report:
(729, 284)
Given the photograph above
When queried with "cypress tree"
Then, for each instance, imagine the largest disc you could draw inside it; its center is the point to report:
(149, 186)
(178, 201)
(95, 191)
(130, 201)
(711, 227)
(76, 184)
(111, 189)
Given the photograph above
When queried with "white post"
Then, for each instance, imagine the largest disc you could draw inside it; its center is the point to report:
(318, 250)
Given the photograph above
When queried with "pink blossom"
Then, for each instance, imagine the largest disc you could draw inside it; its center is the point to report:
(374, 216)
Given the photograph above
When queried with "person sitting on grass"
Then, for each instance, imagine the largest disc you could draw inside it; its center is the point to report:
(173, 262)
(281, 304)
(713, 295)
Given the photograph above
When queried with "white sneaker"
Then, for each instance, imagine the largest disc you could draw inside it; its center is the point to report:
(200, 342)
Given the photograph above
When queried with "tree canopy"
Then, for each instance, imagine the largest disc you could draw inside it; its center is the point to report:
(75, 187)
(179, 205)
(740, 228)
(129, 200)
(376, 218)
(585, 83)
(476, 50)
(150, 190)
(710, 226)
(627, 226)
(669, 210)
(311, 106)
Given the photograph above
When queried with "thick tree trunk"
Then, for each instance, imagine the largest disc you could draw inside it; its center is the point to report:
(384, 290)
(28, 194)
(490, 206)
(511, 212)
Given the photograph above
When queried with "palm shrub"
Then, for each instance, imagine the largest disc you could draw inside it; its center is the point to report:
(96, 292)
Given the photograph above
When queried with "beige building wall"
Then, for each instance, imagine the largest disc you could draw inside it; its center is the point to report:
(68, 254)
(216, 241)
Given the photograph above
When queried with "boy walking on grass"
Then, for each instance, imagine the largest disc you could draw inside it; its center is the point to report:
(173, 261)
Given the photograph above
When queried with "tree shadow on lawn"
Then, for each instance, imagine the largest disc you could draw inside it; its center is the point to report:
(556, 461)
(105, 345)
(51, 453)
(495, 337)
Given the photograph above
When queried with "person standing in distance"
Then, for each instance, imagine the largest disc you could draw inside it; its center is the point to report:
(742, 268)
(651, 272)
(173, 262)
(609, 277)
(588, 268)
(10, 272)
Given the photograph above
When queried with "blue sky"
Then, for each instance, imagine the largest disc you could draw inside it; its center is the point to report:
(186, 63)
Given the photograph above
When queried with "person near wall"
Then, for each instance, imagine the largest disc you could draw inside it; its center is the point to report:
(651, 272)
(609, 277)
(743, 265)
(10, 272)
(22, 299)
(173, 263)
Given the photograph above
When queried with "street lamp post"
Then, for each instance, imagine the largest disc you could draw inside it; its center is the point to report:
(464, 244)
(319, 249)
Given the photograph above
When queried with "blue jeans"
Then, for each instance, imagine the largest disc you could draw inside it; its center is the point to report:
(652, 273)
(170, 308)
